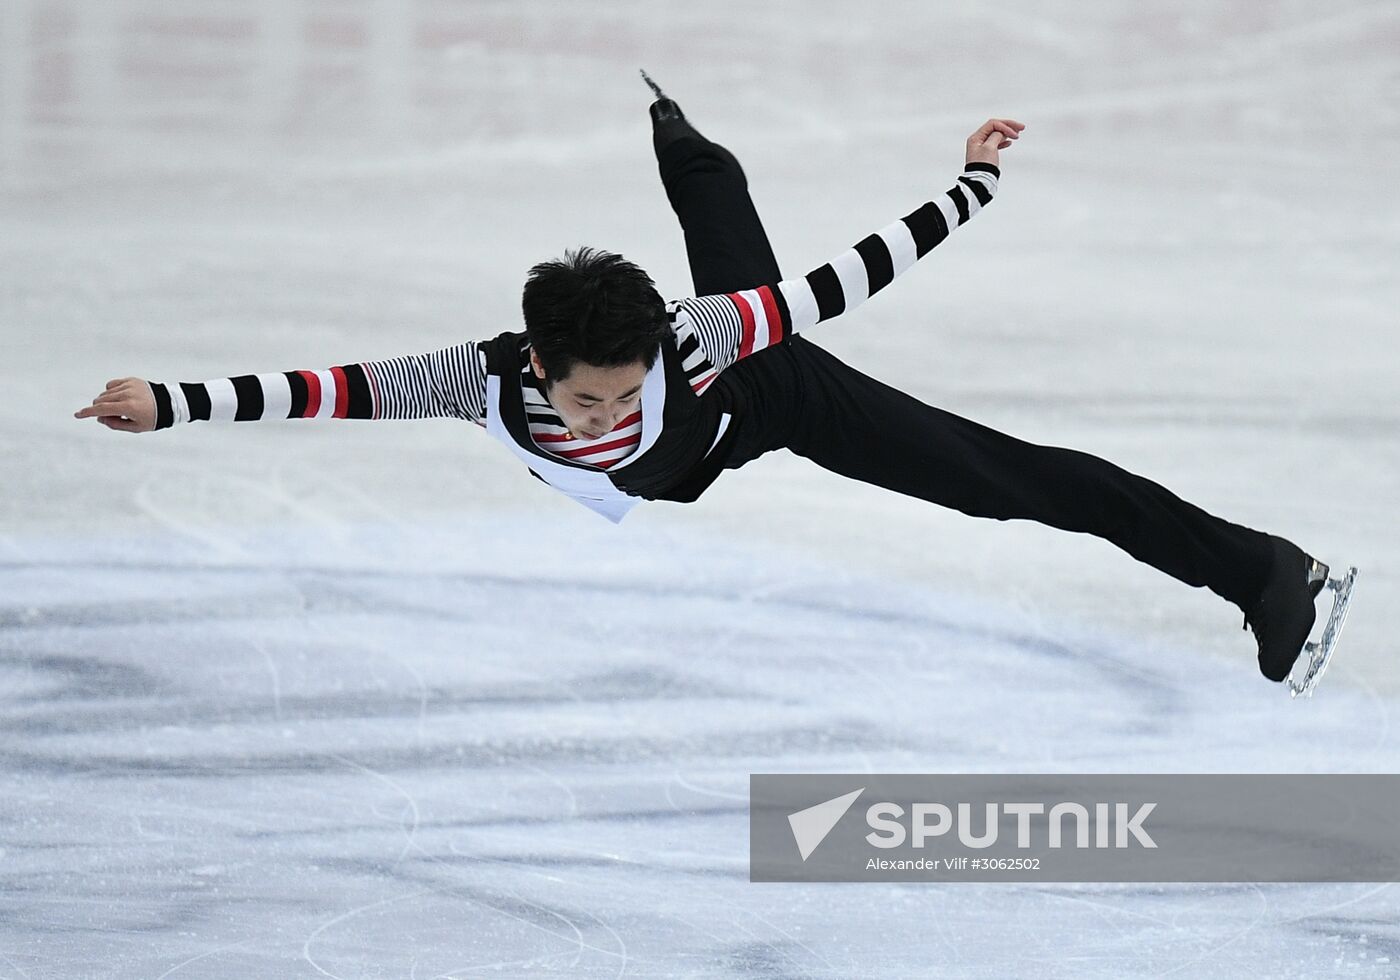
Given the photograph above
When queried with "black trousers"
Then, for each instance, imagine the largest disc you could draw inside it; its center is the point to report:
(799, 397)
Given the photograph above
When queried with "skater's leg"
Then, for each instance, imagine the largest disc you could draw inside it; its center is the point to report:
(724, 238)
(728, 251)
(858, 427)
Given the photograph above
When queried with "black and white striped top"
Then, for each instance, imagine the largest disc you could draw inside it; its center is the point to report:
(712, 333)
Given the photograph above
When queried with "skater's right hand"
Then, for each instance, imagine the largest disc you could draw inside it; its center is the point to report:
(127, 405)
(995, 134)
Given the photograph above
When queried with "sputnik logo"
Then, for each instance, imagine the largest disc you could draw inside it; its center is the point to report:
(810, 826)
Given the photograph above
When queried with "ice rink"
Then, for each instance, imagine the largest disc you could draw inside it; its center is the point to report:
(363, 699)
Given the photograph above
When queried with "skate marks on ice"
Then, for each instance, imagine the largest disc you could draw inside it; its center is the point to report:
(226, 769)
(185, 661)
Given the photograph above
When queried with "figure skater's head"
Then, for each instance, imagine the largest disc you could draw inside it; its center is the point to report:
(595, 323)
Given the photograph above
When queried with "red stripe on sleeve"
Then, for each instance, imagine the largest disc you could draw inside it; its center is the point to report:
(703, 380)
(313, 394)
(770, 310)
(745, 314)
(342, 392)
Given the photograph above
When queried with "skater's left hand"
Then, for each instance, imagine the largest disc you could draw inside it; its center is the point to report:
(126, 405)
(995, 134)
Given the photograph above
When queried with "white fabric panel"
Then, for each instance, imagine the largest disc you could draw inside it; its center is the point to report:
(855, 283)
(900, 241)
(179, 405)
(223, 403)
(802, 305)
(653, 405)
(327, 407)
(761, 336)
(950, 211)
(277, 395)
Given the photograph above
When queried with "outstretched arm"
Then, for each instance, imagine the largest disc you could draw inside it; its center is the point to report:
(730, 327)
(447, 383)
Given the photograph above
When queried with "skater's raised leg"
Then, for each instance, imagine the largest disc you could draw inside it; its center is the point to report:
(724, 238)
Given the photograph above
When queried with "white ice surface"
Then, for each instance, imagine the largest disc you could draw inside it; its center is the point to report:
(364, 699)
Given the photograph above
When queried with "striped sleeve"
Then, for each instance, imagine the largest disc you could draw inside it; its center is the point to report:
(730, 327)
(448, 383)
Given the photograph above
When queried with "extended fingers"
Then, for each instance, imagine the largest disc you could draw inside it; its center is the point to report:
(107, 404)
(99, 410)
(1000, 128)
(120, 397)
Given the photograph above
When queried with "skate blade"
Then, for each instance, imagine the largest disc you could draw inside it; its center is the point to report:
(1319, 653)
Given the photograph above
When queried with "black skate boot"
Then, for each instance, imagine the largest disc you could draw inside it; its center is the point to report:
(1284, 614)
(668, 123)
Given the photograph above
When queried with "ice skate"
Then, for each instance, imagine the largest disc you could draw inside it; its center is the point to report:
(1285, 613)
(1304, 679)
(668, 121)
(663, 109)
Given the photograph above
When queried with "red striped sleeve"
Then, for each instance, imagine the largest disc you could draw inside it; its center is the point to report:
(770, 311)
(745, 314)
(342, 393)
(313, 394)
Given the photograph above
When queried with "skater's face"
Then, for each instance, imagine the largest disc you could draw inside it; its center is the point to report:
(592, 400)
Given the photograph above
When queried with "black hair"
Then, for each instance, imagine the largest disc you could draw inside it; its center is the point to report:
(592, 306)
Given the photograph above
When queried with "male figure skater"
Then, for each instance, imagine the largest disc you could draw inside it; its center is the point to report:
(613, 396)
